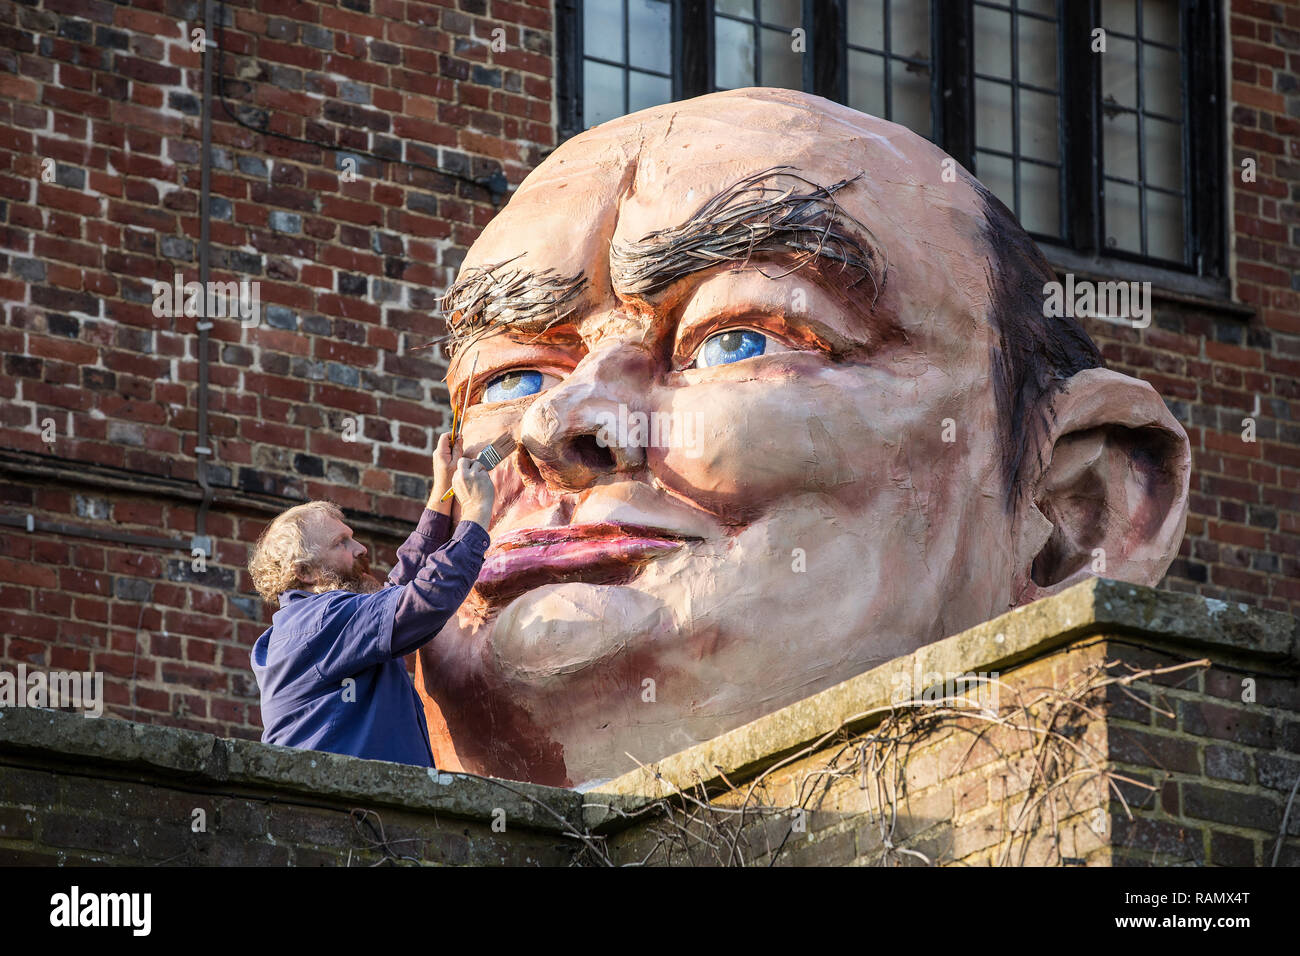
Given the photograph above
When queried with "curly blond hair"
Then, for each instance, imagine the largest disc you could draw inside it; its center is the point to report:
(283, 550)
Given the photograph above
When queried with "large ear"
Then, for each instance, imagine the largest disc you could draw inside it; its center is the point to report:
(1111, 499)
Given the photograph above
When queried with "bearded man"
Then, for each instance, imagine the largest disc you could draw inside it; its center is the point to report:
(330, 666)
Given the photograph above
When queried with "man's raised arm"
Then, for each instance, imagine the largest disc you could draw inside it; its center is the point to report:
(435, 524)
(445, 580)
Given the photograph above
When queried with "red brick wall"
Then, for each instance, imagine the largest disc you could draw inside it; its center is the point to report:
(1245, 534)
(350, 273)
(350, 276)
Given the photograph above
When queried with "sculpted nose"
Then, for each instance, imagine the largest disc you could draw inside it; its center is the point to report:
(567, 433)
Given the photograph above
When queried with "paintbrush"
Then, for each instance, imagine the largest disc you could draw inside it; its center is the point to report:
(468, 382)
(491, 456)
(459, 421)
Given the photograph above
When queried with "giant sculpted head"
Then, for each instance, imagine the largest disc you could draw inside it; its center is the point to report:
(869, 436)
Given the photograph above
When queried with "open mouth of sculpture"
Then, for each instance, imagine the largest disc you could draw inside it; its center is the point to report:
(605, 553)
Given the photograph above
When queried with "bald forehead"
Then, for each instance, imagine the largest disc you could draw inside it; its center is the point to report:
(641, 170)
(626, 182)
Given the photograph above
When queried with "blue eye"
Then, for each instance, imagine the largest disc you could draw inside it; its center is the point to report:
(730, 346)
(513, 384)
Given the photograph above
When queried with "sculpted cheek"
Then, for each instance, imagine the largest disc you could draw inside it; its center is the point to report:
(758, 441)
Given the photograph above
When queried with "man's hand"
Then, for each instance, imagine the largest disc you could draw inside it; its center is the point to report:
(443, 468)
(474, 491)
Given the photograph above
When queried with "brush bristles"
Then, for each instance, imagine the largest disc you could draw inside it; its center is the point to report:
(497, 452)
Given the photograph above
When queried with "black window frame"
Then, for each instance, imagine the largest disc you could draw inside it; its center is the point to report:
(953, 116)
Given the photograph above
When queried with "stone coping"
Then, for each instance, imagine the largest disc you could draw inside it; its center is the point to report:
(1187, 622)
(168, 755)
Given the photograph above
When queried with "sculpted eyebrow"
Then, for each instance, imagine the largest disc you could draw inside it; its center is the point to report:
(751, 216)
(492, 298)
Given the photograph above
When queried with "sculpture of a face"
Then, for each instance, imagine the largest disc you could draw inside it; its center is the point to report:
(814, 321)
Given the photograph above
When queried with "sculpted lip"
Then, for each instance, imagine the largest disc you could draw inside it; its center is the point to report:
(603, 553)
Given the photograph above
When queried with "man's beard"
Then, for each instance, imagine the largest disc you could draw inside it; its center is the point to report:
(358, 580)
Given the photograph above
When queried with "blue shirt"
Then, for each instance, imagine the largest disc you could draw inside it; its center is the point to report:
(330, 665)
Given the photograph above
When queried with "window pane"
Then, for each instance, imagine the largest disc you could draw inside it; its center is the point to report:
(867, 83)
(649, 35)
(1039, 126)
(867, 23)
(995, 173)
(602, 29)
(645, 91)
(1119, 72)
(782, 13)
(1040, 199)
(734, 53)
(992, 42)
(1164, 226)
(1037, 45)
(1119, 145)
(993, 115)
(1164, 154)
(1162, 82)
(1121, 210)
(911, 93)
(737, 8)
(1118, 16)
(1047, 7)
(781, 67)
(1160, 21)
(909, 28)
(602, 92)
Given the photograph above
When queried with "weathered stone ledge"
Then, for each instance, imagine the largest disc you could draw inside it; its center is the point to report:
(1182, 623)
(208, 761)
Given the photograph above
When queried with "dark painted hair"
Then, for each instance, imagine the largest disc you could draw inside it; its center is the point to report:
(1034, 355)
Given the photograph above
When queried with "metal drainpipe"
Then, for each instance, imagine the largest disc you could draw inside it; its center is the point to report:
(202, 451)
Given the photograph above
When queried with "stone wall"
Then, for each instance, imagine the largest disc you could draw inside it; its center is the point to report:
(1131, 727)
(1188, 766)
(75, 790)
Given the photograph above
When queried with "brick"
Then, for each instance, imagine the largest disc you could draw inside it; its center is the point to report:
(1233, 807)
(1277, 772)
(1160, 751)
(1227, 763)
(27, 788)
(17, 824)
(1228, 849)
(80, 831)
(979, 833)
(30, 575)
(1157, 838)
(1206, 719)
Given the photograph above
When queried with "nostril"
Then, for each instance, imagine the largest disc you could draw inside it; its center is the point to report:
(591, 453)
(527, 465)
